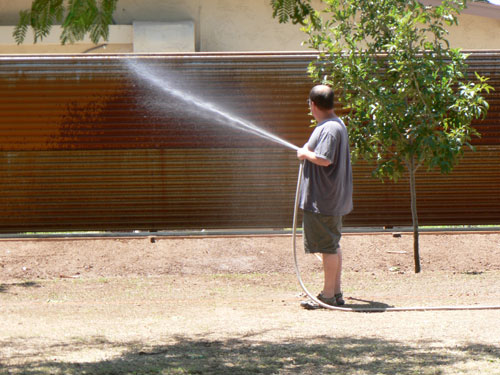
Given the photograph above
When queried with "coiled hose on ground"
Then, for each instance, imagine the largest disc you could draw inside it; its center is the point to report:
(359, 309)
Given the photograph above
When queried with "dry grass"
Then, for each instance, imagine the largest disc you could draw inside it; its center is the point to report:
(246, 323)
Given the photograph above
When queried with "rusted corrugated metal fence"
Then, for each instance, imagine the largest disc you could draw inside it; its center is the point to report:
(87, 144)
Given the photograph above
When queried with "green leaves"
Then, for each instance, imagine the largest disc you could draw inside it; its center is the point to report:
(78, 18)
(43, 14)
(296, 11)
(402, 85)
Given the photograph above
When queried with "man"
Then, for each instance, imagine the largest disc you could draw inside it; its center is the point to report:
(326, 193)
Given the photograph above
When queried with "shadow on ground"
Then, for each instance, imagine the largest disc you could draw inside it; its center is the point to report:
(4, 287)
(316, 355)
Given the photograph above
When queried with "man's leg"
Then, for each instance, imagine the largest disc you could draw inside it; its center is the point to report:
(332, 268)
(338, 276)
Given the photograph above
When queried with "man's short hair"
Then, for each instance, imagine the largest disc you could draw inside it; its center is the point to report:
(322, 96)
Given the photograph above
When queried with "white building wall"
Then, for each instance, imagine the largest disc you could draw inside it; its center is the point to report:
(219, 26)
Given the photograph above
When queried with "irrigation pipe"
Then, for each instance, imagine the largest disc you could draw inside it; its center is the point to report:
(359, 309)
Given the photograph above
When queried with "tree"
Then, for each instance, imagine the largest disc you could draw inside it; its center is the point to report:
(77, 17)
(408, 98)
(296, 11)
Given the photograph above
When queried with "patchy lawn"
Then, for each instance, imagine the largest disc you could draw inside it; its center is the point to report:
(231, 306)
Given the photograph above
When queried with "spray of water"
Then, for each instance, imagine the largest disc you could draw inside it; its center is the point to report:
(142, 71)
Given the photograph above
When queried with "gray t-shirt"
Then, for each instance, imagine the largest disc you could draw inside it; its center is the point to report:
(328, 190)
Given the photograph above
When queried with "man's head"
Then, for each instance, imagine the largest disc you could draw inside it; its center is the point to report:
(322, 97)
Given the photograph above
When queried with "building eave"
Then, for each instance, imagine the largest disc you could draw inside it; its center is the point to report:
(473, 8)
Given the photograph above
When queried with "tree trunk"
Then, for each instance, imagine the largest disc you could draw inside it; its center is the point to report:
(414, 216)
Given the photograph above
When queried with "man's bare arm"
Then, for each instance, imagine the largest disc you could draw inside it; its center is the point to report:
(305, 153)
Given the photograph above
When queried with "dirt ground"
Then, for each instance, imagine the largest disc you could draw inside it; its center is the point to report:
(58, 258)
(218, 305)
